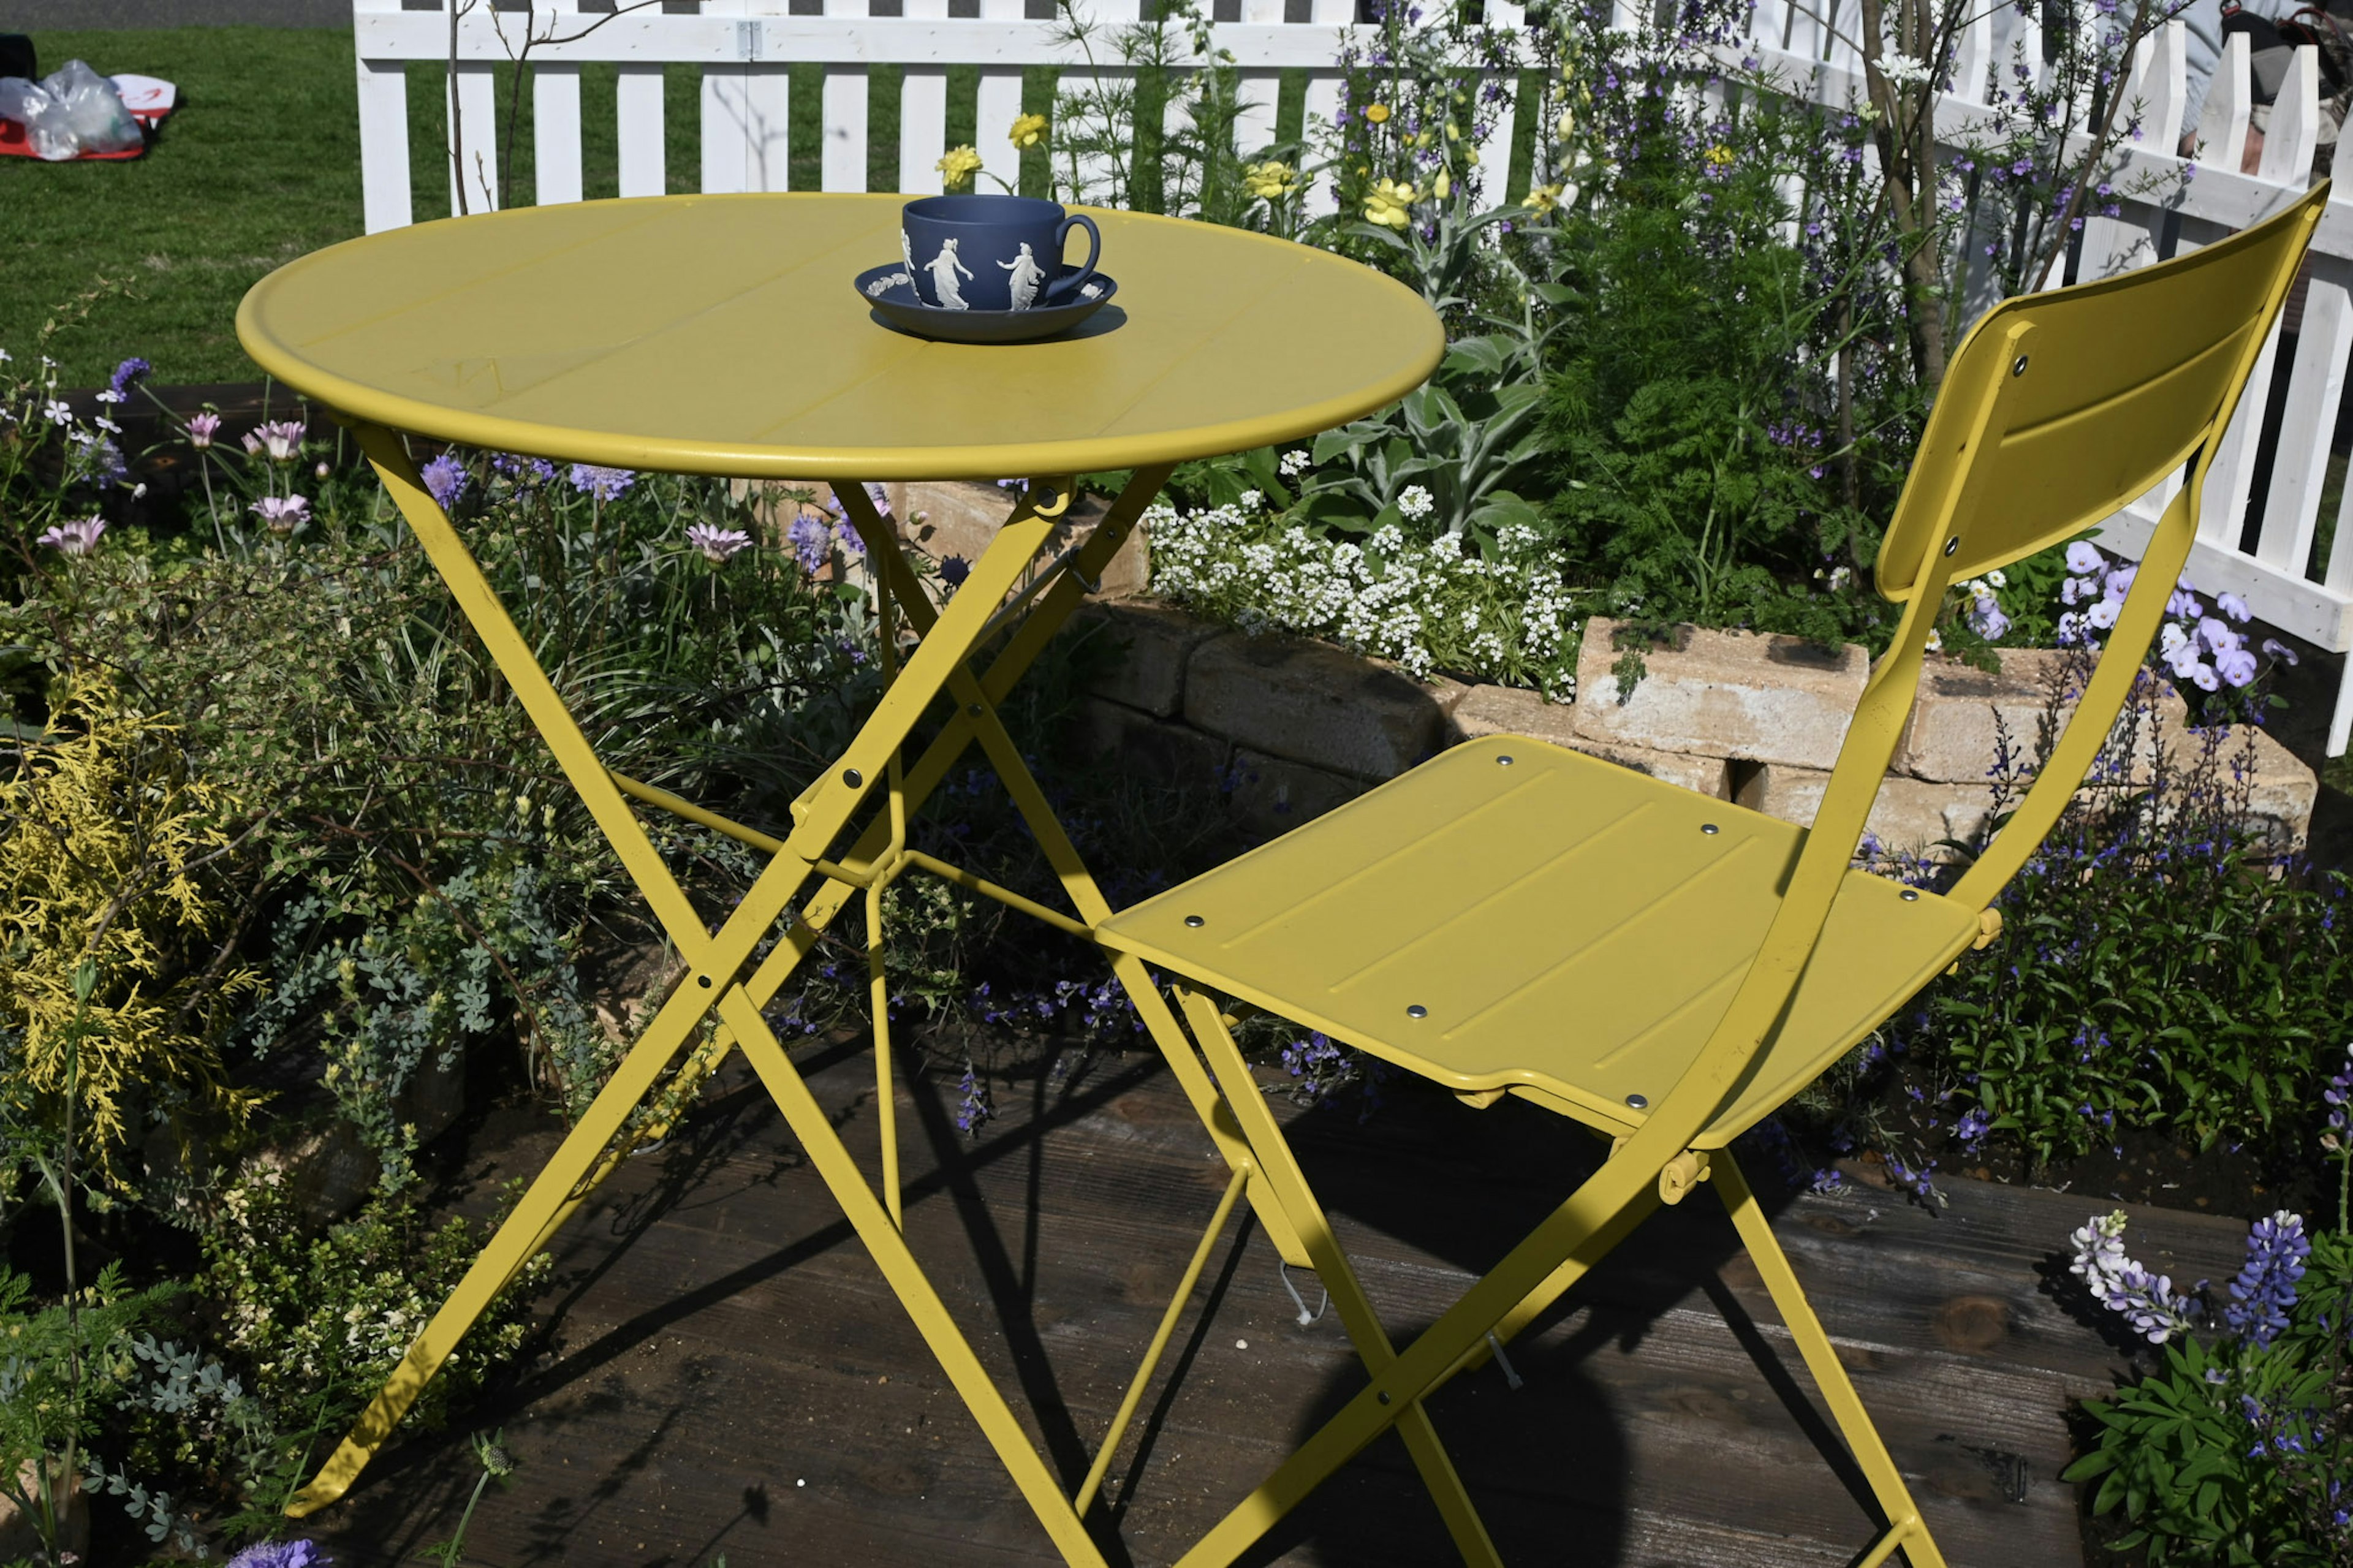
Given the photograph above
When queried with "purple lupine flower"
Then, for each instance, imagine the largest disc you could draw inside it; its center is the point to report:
(280, 1555)
(126, 373)
(283, 516)
(202, 428)
(1972, 1130)
(812, 541)
(604, 484)
(2337, 1095)
(2148, 1301)
(76, 539)
(446, 480)
(715, 543)
(2265, 1287)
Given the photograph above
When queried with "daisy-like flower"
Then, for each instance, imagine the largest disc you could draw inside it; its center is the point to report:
(202, 428)
(283, 516)
(957, 167)
(1029, 131)
(1390, 203)
(76, 539)
(281, 438)
(715, 543)
(1271, 181)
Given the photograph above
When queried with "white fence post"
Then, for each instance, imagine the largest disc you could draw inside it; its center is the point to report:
(384, 143)
(922, 113)
(556, 119)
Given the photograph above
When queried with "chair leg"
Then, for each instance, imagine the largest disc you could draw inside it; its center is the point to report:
(1906, 1529)
(1287, 1184)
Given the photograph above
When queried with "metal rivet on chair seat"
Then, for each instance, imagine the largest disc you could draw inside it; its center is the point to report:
(2017, 367)
(703, 981)
(1505, 761)
(1416, 1010)
(1710, 828)
(1639, 1101)
(1951, 545)
(852, 777)
(1195, 921)
(1911, 895)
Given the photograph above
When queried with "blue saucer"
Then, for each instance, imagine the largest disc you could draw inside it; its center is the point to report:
(891, 293)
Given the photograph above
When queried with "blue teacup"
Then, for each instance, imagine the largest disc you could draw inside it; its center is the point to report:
(992, 253)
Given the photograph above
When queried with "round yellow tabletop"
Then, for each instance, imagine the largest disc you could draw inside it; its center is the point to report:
(722, 335)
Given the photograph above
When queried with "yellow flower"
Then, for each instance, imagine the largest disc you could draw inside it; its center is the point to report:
(958, 167)
(1442, 185)
(1566, 125)
(1028, 131)
(1541, 198)
(1271, 181)
(1718, 155)
(1453, 133)
(1390, 202)
(1379, 113)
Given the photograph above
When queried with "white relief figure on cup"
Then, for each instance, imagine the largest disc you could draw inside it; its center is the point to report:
(907, 252)
(943, 269)
(1026, 277)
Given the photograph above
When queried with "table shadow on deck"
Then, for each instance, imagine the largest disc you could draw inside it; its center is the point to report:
(729, 1374)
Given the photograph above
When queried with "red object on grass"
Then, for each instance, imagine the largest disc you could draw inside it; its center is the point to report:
(149, 99)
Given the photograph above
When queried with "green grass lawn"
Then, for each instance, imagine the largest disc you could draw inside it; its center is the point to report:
(261, 165)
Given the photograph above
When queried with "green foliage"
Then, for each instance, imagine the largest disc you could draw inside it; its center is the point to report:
(2158, 966)
(110, 1011)
(315, 1324)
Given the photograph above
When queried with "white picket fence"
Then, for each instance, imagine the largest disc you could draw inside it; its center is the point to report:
(746, 49)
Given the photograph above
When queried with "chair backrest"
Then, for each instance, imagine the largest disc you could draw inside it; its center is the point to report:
(2057, 410)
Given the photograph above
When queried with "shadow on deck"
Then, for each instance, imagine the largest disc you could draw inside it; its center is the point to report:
(728, 1374)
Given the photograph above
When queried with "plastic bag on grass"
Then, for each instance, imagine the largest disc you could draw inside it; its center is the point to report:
(72, 112)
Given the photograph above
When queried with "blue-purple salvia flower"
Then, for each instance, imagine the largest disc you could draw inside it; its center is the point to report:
(126, 373)
(604, 484)
(2265, 1287)
(972, 1106)
(446, 480)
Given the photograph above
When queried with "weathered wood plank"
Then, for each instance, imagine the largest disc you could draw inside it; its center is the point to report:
(730, 1373)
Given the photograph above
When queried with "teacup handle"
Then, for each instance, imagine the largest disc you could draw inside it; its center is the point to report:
(1062, 288)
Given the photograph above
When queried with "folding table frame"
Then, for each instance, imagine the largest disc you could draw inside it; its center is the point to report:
(719, 1001)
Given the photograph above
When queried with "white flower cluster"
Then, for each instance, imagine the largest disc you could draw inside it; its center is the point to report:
(1428, 607)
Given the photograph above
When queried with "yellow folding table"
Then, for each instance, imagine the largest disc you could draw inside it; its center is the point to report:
(722, 335)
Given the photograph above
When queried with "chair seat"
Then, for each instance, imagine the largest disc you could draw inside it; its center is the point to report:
(1511, 915)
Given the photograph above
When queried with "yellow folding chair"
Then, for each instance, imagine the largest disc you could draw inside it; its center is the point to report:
(1667, 969)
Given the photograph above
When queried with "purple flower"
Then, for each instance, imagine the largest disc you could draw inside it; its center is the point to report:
(202, 428)
(76, 539)
(812, 539)
(2277, 649)
(281, 438)
(1972, 1130)
(126, 373)
(2103, 615)
(2233, 606)
(715, 543)
(280, 1555)
(954, 570)
(2205, 679)
(2120, 582)
(2237, 667)
(282, 516)
(2265, 1287)
(446, 480)
(523, 470)
(604, 484)
(973, 1107)
(1987, 619)
(2148, 1301)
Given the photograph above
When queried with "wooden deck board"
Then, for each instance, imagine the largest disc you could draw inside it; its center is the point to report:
(730, 1375)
